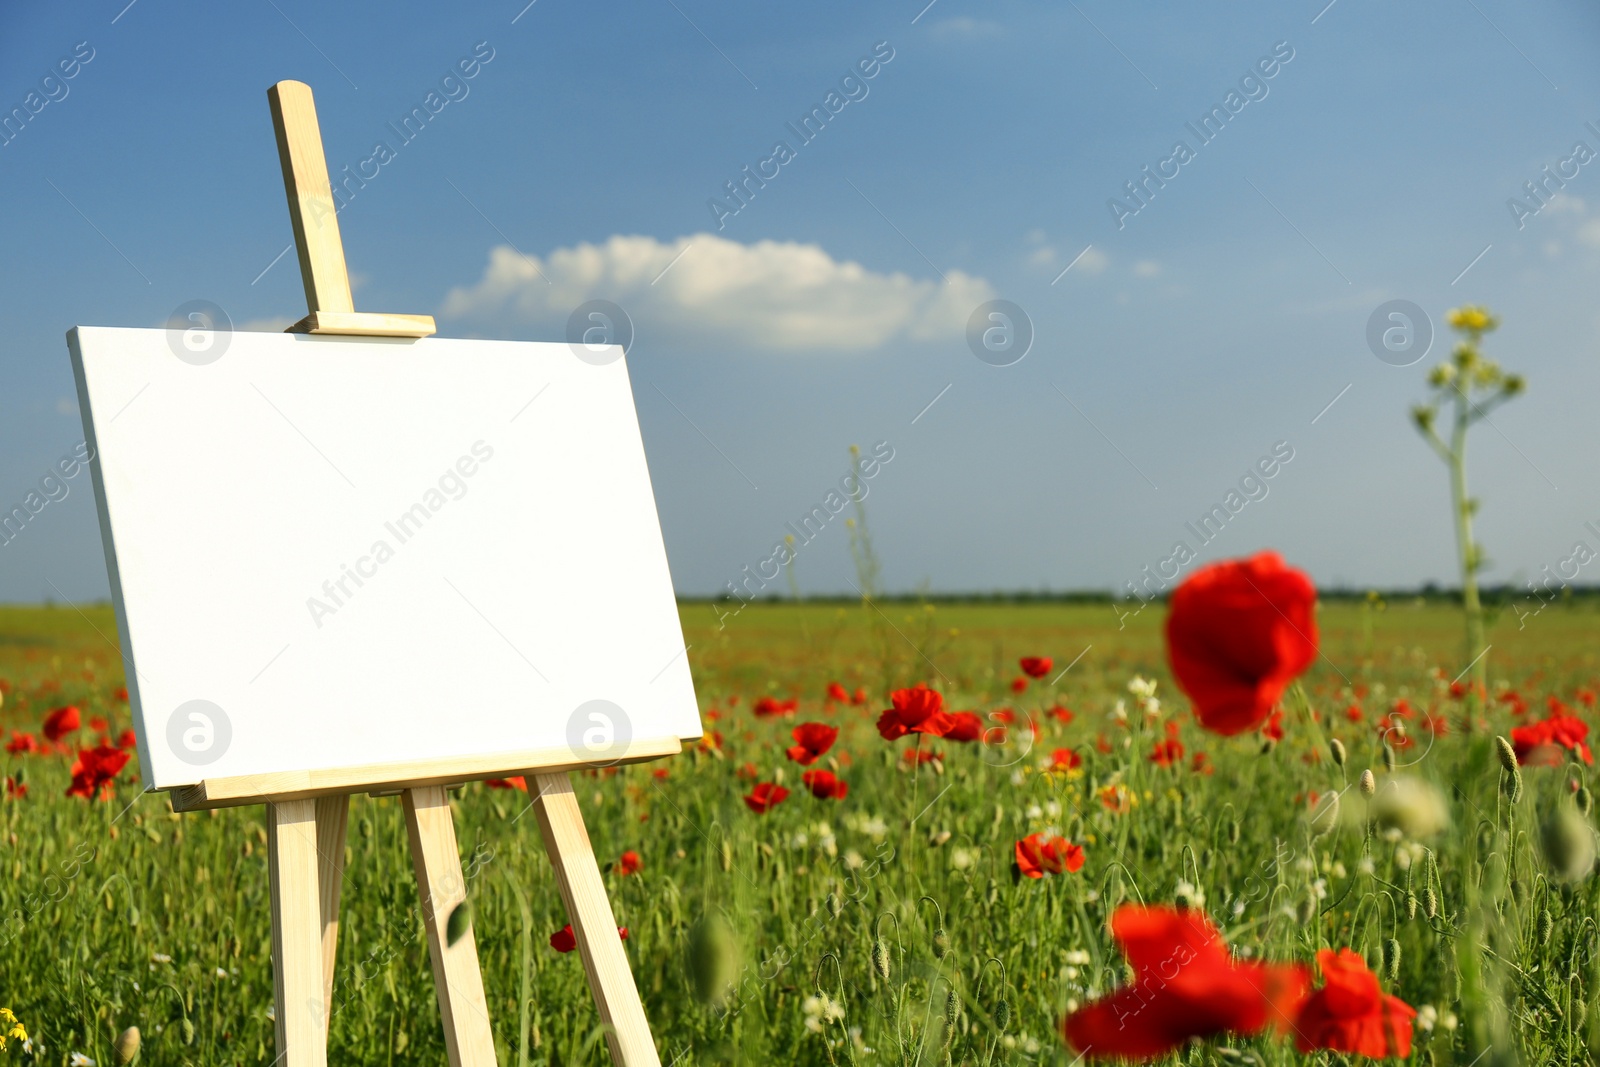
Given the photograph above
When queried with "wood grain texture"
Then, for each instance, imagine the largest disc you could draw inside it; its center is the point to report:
(333, 818)
(365, 324)
(311, 206)
(297, 974)
(456, 978)
(584, 893)
(300, 785)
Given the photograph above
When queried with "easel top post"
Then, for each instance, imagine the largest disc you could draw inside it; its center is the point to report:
(311, 205)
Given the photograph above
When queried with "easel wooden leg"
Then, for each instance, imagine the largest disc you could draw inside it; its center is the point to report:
(456, 978)
(604, 961)
(333, 817)
(297, 971)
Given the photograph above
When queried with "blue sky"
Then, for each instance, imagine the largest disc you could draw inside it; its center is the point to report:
(977, 163)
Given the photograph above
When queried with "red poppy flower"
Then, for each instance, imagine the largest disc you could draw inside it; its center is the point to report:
(1035, 666)
(859, 697)
(1064, 759)
(564, 940)
(22, 743)
(1540, 744)
(630, 863)
(127, 739)
(1351, 1014)
(1018, 684)
(14, 789)
(838, 693)
(767, 707)
(95, 771)
(1200, 763)
(824, 785)
(915, 711)
(1167, 753)
(1061, 715)
(98, 724)
(1586, 697)
(1273, 730)
(519, 782)
(962, 726)
(1185, 985)
(1238, 632)
(764, 797)
(710, 741)
(61, 722)
(121, 693)
(811, 740)
(919, 756)
(1353, 713)
(1038, 855)
(748, 770)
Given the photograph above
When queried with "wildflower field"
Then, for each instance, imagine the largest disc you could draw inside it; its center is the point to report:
(1058, 870)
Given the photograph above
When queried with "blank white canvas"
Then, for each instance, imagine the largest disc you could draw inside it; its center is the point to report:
(235, 497)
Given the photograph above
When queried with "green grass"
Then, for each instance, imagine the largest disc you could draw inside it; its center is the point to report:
(99, 894)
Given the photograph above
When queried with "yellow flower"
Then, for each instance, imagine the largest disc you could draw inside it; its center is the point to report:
(1472, 318)
(11, 1028)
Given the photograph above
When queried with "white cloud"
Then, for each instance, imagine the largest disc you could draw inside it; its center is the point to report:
(1093, 261)
(1147, 268)
(705, 289)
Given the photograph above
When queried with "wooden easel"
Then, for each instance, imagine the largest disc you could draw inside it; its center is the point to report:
(307, 813)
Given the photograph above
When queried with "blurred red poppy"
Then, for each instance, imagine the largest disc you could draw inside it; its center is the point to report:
(962, 726)
(825, 785)
(519, 782)
(1064, 759)
(811, 740)
(1039, 854)
(838, 693)
(128, 739)
(630, 863)
(1018, 684)
(1238, 632)
(1185, 985)
(1273, 730)
(919, 756)
(915, 711)
(14, 789)
(767, 707)
(121, 693)
(764, 797)
(1541, 743)
(564, 940)
(95, 771)
(858, 697)
(98, 724)
(22, 743)
(1035, 666)
(1170, 751)
(1351, 1014)
(1061, 715)
(61, 722)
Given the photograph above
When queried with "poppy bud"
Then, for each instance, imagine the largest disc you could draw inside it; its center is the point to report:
(1412, 806)
(187, 1028)
(941, 944)
(1336, 747)
(1547, 924)
(1233, 831)
(126, 1049)
(880, 958)
(1511, 785)
(1507, 754)
(1391, 960)
(1369, 784)
(834, 905)
(713, 958)
(727, 855)
(1388, 758)
(1267, 746)
(1411, 905)
(952, 1010)
(1002, 1014)
(1325, 816)
(1430, 902)
(1568, 843)
(1583, 799)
